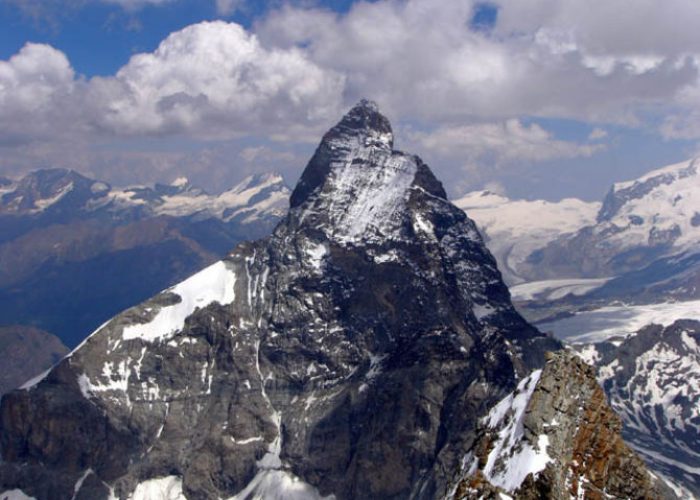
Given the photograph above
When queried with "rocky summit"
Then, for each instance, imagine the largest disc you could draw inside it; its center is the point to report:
(351, 354)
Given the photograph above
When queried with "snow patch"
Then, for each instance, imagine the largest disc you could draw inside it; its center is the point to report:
(163, 488)
(47, 202)
(79, 483)
(278, 485)
(315, 254)
(15, 495)
(423, 225)
(213, 284)
(32, 382)
(512, 457)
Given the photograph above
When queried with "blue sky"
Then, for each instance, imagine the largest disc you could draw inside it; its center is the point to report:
(535, 98)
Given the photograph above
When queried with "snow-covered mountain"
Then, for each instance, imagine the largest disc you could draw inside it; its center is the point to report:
(352, 353)
(652, 379)
(53, 191)
(641, 242)
(61, 233)
(645, 227)
(514, 229)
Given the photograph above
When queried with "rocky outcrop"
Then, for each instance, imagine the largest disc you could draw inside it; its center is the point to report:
(556, 437)
(351, 353)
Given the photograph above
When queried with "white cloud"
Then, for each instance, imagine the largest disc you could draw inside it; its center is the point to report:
(36, 89)
(215, 80)
(210, 80)
(500, 143)
(419, 59)
(228, 7)
(597, 134)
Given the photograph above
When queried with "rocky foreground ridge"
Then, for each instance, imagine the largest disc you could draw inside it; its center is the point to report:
(354, 353)
(556, 437)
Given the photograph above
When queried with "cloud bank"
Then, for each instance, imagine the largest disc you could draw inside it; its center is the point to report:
(287, 78)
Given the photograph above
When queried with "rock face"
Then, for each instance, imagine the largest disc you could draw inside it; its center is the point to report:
(652, 380)
(556, 437)
(351, 354)
(25, 352)
(76, 251)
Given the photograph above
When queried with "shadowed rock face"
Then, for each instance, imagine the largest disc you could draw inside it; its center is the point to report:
(352, 351)
(569, 429)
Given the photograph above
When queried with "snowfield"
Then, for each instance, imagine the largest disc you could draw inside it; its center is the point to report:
(513, 229)
(213, 284)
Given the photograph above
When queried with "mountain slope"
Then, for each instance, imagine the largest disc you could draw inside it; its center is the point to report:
(654, 217)
(350, 353)
(104, 249)
(24, 353)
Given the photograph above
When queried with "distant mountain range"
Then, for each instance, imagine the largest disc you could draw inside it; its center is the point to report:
(640, 245)
(75, 251)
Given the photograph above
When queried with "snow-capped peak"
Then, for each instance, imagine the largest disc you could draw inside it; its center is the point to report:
(661, 208)
(180, 182)
(356, 187)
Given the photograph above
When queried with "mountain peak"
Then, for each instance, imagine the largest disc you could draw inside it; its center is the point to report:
(356, 186)
(364, 120)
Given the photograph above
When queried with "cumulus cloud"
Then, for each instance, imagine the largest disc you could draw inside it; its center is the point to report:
(212, 80)
(215, 80)
(419, 58)
(37, 86)
(291, 75)
(504, 142)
